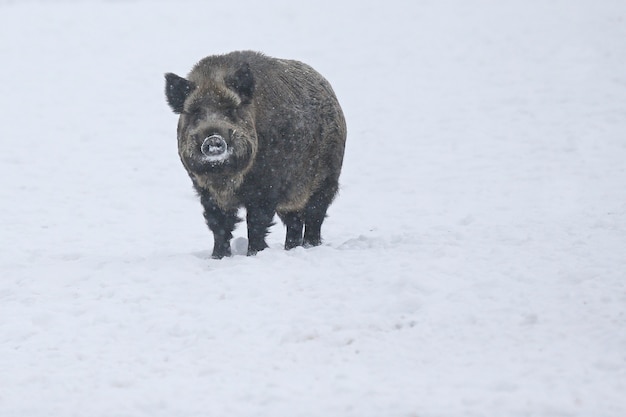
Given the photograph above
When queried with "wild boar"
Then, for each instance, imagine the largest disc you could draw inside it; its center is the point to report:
(262, 133)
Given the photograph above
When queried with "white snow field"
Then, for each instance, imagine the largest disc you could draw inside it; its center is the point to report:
(474, 263)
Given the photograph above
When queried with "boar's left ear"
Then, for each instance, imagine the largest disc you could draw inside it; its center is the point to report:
(176, 90)
(242, 82)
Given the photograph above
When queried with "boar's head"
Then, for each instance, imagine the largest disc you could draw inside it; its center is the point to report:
(216, 133)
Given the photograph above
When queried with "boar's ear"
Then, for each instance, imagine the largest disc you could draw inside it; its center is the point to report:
(242, 82)
(176, 90)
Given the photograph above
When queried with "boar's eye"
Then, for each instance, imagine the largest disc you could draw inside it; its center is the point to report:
(194, 112)
(231, 113)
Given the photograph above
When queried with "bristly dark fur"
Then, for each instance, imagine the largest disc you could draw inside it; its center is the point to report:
(285, 134)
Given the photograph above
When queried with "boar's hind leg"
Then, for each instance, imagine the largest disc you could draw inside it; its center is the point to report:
(295, 224)
(259, 218)
(222, 223)
(315, 212)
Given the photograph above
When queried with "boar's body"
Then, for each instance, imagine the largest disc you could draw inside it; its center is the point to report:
(261, 133)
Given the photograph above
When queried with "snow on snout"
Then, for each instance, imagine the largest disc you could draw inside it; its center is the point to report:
(218, 158)
(215, 152)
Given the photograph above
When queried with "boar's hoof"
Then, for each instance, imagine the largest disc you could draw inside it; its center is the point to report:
(221, 250)
(311, 243)
(214, 146)
(254, 248)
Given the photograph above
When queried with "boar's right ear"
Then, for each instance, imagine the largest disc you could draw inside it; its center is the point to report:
(177, 90)
(242, 82)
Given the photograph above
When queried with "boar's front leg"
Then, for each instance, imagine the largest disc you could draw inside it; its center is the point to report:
(222, 223)
(295, 225)
(259, 219)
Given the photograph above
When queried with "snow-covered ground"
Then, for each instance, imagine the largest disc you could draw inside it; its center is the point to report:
(474, 263)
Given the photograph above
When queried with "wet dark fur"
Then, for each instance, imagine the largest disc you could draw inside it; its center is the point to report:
(287, 134)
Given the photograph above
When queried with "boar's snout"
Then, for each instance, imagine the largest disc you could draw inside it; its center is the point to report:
(214, 146)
